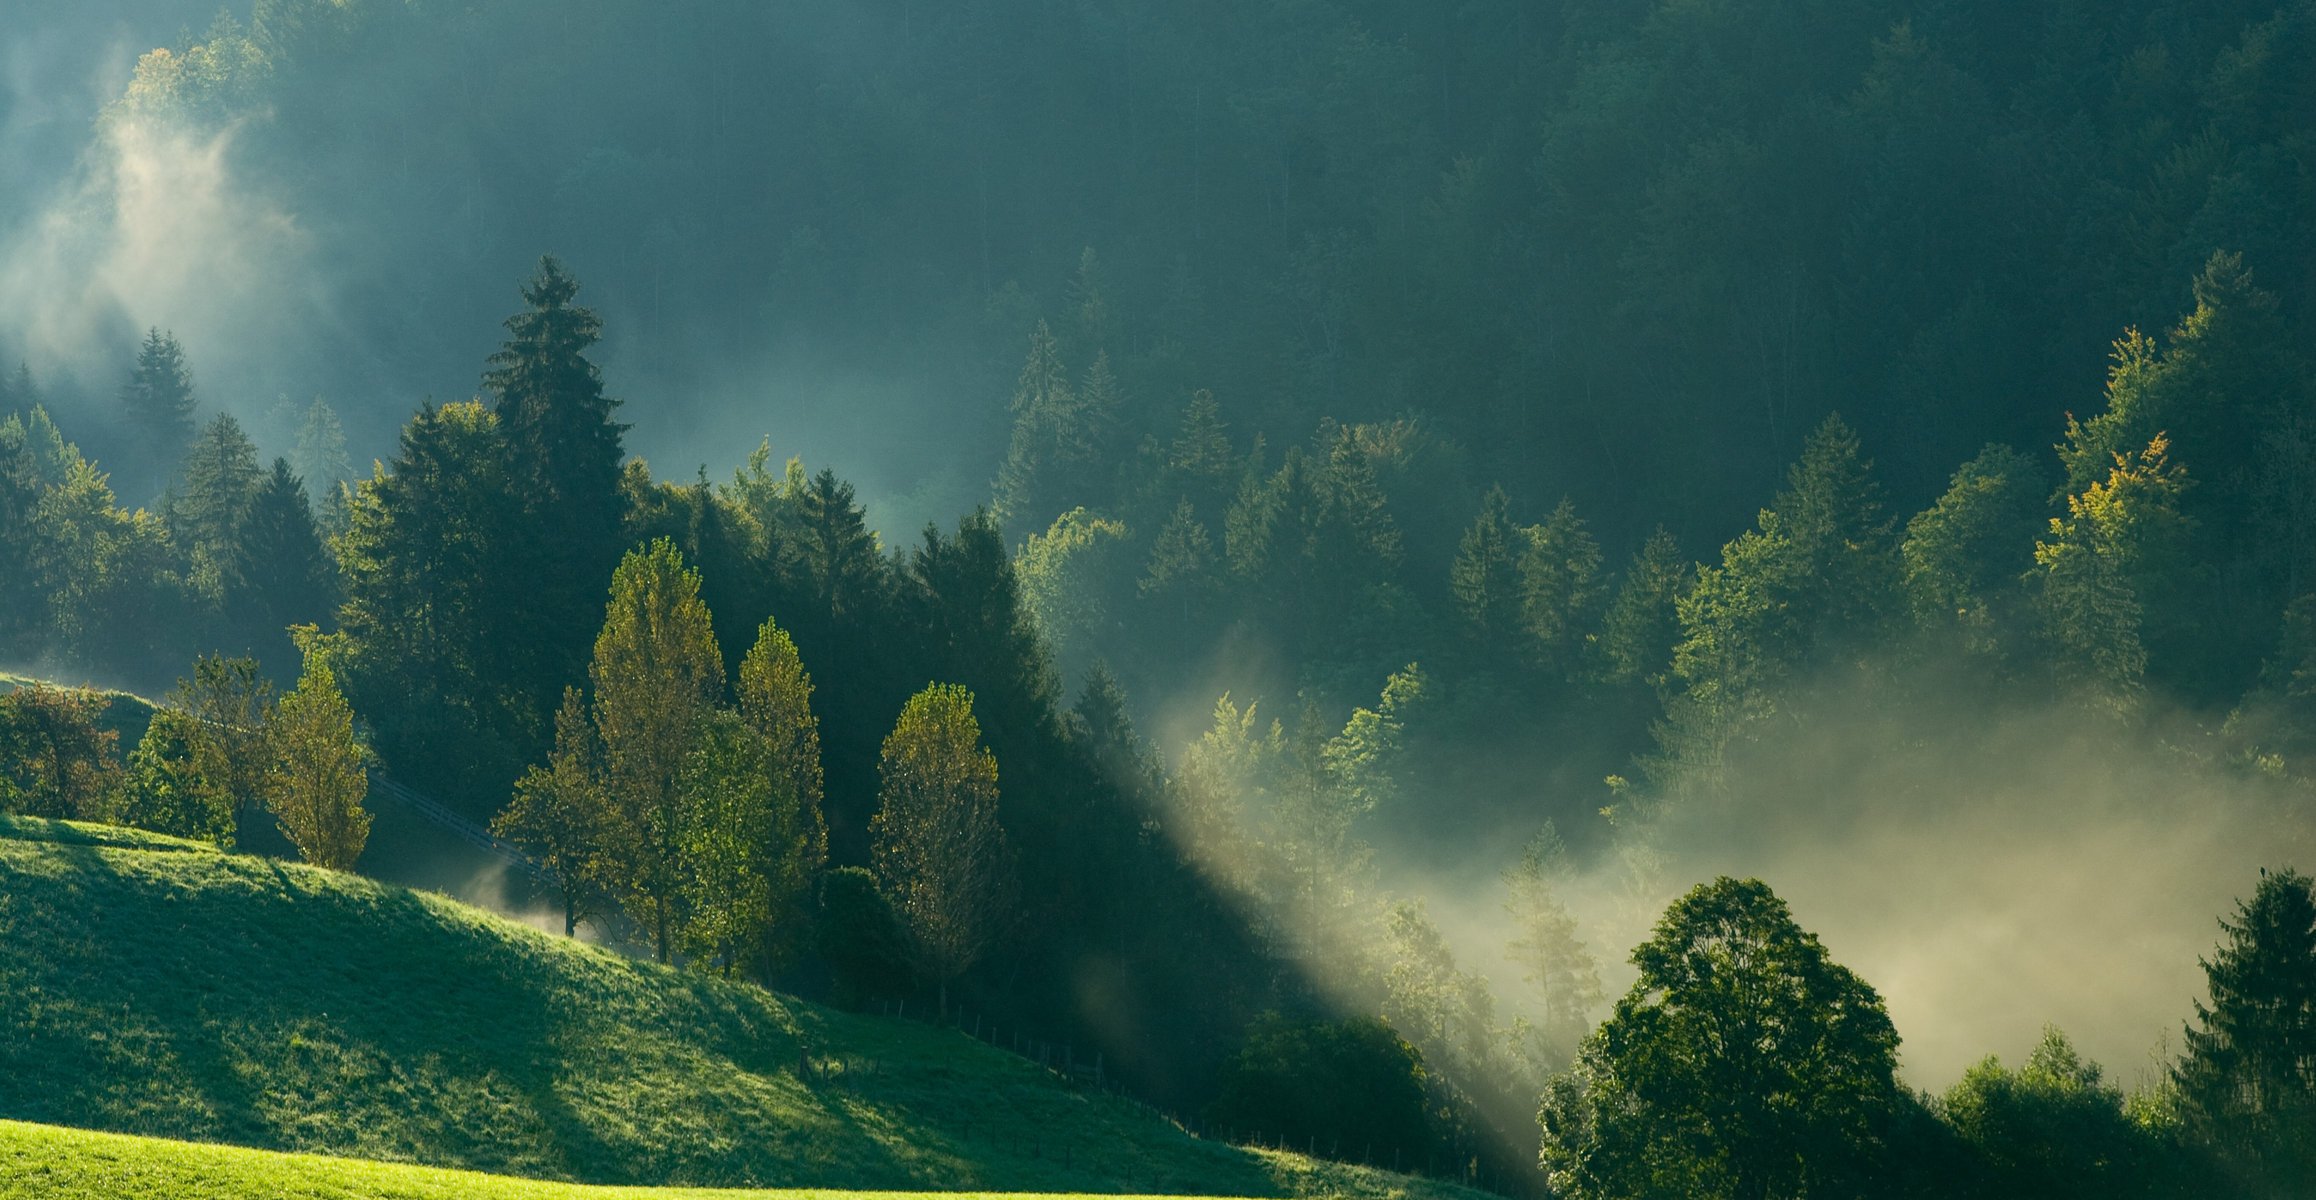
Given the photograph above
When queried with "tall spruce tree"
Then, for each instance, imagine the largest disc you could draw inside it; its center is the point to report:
(285, 577)
(563, 454)
(2247, 1081)
(158, 404)
(221, 479)
(1483, 578)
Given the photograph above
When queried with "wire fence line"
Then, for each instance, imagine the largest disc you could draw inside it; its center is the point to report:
(458, 825)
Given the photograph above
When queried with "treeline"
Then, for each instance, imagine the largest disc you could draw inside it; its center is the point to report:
(1629, 252)
(1745, 1062)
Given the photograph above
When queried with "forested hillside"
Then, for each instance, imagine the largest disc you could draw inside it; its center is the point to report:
(1407, 493)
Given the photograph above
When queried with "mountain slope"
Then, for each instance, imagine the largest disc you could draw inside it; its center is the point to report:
(162, 988)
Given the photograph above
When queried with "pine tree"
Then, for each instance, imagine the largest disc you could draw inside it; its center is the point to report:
(285, 577)
(841, 562)
(2247, 1079)
(158, 404)
(1199, 459)
(2108, 574)
(222, 477)
(558, 813)
(775, 694)
(317, 783)
(1545, 946)
(320, 459)
(938, 848)
(1559, 586)
(563, 456)
(1965, 553)
(1181, 567)
(1482, 578)
(657, 674)
(1642, 623)
(1043, 408)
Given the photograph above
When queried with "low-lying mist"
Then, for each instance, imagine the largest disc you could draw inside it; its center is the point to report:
(1990, 864)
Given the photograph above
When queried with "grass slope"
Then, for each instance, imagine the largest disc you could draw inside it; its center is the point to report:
(158, 987)
(44, 1162)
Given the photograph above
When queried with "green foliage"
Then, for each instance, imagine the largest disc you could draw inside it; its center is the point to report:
(657, 675)
(317, 782)
(1964, 554)
(229, 706)
(2243, 1083)
(430, 614)
(1815, 576)
(1353, 1087)
(1744, 1062)
(1063, 572)
(1483, 579)
(221, 481)
(1642, 624)
(2109, 568)
(55, 760)
(861, 938)
(158, 404)
(562, 452)
(939, 850)
(559, 815)
(775, 695)
(731, 848)
(2052, 1128)
(165, 792)
(1559, 587)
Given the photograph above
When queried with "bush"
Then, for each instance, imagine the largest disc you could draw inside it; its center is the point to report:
(1347, 1087)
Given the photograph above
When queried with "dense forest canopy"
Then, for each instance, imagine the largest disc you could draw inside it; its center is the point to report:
(1301, 513)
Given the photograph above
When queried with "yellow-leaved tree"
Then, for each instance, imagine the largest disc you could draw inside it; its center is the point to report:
(938, 849)
(317, 783)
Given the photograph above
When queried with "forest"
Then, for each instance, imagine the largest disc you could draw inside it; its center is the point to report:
(1374, 562)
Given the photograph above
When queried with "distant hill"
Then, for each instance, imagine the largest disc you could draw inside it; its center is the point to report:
(159, 987)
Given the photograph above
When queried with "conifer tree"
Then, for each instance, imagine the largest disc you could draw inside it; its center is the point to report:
(1483, 579)
(2108, 573)
(1642, 624)
(1964, 554)
(2245, 1081)
(158, 404)
(1545, 946)
(563, 452)
(1559, 586)
(317, 782)
(1180, 571)
(657, 674)
(431, 610)
(320, 458)
(558, 814)
(1199, 458)
(1043, 409)
(222, 477)
(840, 559)
(938, 848)
(286, 577)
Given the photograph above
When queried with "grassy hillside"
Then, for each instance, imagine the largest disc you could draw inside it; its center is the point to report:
(162, 988)
(126, 713)
(43, 1162)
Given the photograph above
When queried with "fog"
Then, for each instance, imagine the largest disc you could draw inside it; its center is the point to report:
(1989, 866)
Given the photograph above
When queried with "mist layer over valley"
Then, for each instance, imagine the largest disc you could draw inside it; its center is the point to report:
(1270, 543)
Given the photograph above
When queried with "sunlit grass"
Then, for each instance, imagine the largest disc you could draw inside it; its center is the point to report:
(157, 987)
